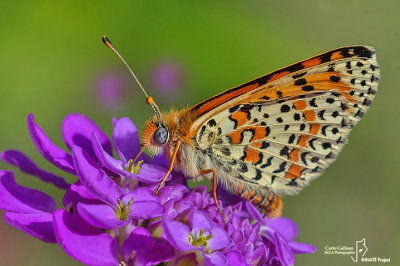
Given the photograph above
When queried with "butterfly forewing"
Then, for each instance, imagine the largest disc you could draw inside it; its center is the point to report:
(282, 133)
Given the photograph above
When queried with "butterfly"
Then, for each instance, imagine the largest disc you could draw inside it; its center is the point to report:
(271, 136)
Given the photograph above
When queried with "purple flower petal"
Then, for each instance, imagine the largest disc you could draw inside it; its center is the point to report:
(259, 255)
(200, 221)
(161, 159)
(126, 140)
(301, 248)
(283, 250)
(146, 210)
(286, 227)
(254, 232)
(39, 225)
(236, 258)
(177, 235)
(100, 215)
(16, 198)
(139, 194)
(219, 240)
(77, 130)
(150, 173)
(139, 238)
(186, 259)
(254, 213)
(84, 242)
(106, 159)
(173, 193)
(214, 258)
(114, 121)
(159, 252)
(78, 193)
(18, 159)
(94, 179)
(48, 150)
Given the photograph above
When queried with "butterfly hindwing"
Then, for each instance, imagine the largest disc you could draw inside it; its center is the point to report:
(284, 134)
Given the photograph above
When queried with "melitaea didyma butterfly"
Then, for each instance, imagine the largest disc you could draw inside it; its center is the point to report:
(271, 136)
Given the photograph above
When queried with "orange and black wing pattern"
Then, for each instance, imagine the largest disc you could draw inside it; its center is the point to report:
(280, 131)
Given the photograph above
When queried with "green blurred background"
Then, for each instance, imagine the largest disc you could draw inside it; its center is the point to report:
(51, 58)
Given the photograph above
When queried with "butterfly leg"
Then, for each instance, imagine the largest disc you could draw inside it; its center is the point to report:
(140, 152)
(171, 165)
(214, 189)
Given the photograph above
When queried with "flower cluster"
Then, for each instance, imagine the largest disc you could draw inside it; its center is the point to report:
(111, 217)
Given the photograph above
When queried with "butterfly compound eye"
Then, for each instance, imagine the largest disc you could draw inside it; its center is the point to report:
(160, 136)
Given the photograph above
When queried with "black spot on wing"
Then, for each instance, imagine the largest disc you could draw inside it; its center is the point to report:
(291, 138)
(303, 157)
(307, 88)
(323, 129)
(284, 151)
(296, 76)
(203, 128)
(242, 167)
(300, 82)
(281, 168)
(212, 123)
(233, 109)
(265, 145)
(258, 174)
(265, 97)
(326, 145)
(246, 109)
(226, 151)
(267, 163)
(330, 100)
(312, 102)
(311, 143)
(321, 114)
(334, 78)
(285, 108)
(292, 183)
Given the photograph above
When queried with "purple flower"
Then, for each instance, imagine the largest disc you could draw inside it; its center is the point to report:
(281, 232)
(110, 216)
(167, 77)
(202, 235)
(110, 89)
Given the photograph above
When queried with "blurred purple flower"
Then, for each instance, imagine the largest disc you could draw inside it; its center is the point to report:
(110, 89)
(110, 215)
(167, 78)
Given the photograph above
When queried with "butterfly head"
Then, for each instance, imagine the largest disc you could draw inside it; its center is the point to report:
(155, 135)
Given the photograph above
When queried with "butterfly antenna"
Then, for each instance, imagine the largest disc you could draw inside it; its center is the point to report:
(149, 99)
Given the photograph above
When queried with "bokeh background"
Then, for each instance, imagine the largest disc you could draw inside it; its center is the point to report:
(52, 63)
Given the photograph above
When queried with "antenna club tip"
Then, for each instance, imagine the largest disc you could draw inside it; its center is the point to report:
(106, 41)
(150, 100)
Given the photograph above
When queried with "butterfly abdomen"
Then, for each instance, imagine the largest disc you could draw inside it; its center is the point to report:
(266, 200)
